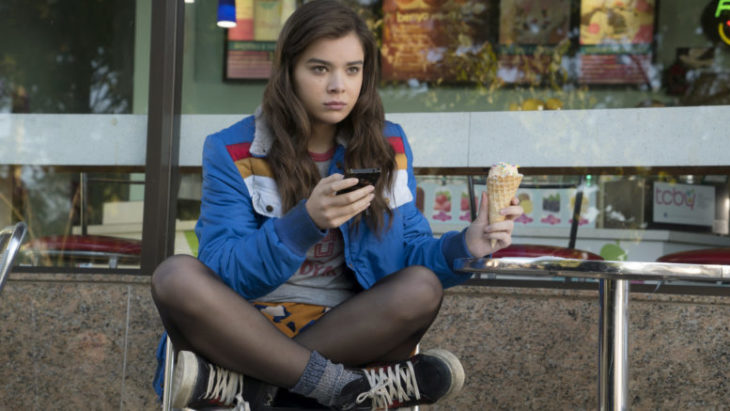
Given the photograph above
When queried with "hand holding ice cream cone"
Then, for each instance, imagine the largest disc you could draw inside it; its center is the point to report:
(497, 210)
(502, 183)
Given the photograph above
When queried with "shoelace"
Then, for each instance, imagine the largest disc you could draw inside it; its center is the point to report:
(223, 385)
(241, 404)
(390, 385)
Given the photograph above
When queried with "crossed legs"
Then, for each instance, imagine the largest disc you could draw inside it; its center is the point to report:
(202, 314)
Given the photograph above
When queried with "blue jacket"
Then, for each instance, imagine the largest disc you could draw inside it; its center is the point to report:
(246, 239)
(254, 248)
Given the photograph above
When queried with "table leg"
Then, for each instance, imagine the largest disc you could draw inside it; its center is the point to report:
(613, 339)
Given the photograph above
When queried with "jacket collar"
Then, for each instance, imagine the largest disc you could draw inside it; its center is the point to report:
(263, 137)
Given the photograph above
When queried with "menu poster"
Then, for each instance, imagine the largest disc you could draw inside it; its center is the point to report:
(421, 36)
(535, 22)
(528, 32)
(251, 43)
(249, 60)
(615, 39)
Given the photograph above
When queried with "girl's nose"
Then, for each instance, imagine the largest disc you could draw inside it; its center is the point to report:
(336, 83)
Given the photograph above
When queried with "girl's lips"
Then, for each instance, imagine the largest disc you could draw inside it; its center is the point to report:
(334, 105)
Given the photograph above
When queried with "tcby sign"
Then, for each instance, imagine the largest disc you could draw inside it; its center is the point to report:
(684, 204)
(673, 196)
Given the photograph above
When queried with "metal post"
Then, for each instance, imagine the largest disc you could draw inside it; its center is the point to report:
(472, 197)
(613, 369)
(163, 132)
(83, 203)
(576, 213)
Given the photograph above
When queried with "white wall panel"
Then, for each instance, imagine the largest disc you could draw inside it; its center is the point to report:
(678, 136)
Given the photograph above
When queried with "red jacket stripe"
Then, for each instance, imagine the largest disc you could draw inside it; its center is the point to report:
(397, 144)
(239, 150)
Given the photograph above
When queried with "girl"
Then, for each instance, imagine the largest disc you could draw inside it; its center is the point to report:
(297, 284)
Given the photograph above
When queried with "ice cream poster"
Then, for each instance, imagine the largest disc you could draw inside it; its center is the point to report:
(527, 201)
(445, 204)
(615, 39)
(554, 208)
(616, 22)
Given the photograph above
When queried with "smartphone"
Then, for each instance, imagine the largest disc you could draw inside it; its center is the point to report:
(365, 176)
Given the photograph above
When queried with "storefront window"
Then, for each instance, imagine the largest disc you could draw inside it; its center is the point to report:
(71, 141)
(494, 55)
(448, 65)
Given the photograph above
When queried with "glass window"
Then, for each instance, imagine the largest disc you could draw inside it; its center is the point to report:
(491, 55)
(618, 101)
(72, 128)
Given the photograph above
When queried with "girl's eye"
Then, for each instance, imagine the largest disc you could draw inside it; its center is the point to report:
(353, 69)
(319, 69)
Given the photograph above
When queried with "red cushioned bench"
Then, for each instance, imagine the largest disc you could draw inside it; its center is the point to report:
(534, 250)
(704, 256)
(76, 249)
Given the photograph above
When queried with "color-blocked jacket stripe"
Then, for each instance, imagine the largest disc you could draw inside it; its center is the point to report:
(400, 193)
(259, 179)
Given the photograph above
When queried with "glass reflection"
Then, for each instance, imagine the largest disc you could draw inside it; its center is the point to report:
(631, 217)
(500, 55)
(530, 55)
(76, 59)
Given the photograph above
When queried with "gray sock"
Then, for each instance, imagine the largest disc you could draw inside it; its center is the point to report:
(323, 380)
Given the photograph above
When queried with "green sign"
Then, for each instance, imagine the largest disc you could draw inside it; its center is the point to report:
(722, 5)
(723, 25)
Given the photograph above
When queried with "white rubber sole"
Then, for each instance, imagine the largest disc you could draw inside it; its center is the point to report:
(183, 380)
(457, 371)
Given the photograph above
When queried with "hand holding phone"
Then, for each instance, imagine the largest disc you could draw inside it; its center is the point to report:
(365, 176)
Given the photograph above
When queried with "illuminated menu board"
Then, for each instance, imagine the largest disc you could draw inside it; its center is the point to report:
(422, 37)
(529, 31)
(251, 43)
(615, 39)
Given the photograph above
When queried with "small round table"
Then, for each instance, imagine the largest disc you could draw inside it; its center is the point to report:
(614, 277)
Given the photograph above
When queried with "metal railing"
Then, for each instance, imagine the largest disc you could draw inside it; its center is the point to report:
(11, 238)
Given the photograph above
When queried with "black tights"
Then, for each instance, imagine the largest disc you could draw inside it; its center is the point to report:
(202, 314)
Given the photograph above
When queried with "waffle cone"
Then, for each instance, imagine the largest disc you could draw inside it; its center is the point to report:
(501, 191)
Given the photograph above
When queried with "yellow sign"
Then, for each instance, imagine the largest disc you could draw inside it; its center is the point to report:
(723, 36)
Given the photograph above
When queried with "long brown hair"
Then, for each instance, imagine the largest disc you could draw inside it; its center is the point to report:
(295, 172)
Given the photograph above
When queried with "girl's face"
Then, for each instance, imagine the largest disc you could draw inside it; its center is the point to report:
(328, 78)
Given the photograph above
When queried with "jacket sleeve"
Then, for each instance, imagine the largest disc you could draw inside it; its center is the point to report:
(422, 248)
(251, 253)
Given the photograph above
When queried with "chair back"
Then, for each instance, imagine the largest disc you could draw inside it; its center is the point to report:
(11, 238)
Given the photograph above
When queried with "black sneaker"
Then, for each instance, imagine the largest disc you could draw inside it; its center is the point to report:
(423, 379)
(199, 384)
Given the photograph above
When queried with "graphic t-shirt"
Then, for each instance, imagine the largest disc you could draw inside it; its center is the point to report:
(322, 279)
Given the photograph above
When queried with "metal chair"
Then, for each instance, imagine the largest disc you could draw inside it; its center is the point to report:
(10, 239)
(167, 382)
